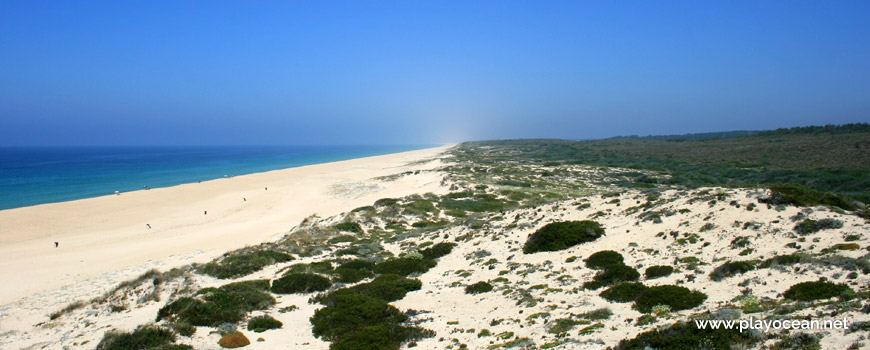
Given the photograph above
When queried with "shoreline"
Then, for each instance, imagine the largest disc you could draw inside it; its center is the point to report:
(207, 174)
(195, 222)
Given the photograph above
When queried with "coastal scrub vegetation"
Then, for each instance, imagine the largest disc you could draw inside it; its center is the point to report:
(214, 306)
(808, 291)
(145, 337)
(677, 298)
(562, 235)
(300, 283)
(243, 262)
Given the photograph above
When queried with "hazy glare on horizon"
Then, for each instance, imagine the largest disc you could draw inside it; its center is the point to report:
(414, 72)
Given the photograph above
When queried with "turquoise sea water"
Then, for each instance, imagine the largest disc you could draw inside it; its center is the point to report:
(31, 176)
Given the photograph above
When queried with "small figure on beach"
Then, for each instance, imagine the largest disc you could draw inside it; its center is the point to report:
(244, 199)
(148, 225)
(55, 244)
(198, 181)
(117, 193)
(267, 188)
(205, 212)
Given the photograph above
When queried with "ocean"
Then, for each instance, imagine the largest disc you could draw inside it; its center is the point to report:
(31, 176)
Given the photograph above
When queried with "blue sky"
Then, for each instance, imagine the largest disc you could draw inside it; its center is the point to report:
(415, 72)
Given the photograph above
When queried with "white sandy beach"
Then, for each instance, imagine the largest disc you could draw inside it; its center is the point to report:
(103, 235)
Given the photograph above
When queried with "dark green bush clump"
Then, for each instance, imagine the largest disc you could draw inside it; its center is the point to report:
(732, 268)
(562, 235)
(808, 226)
(261, 324)
(678, 298)
(786, 260)
(438, 250)
(364, 265)
(345, 275)
(657, 271)
(615, 274)
(602, 259)
(229, 303)
(300, 283)
(479, 203)
(808, 291)
(145, 337)
(384, 287)
(405, 266)
(623, 292)
(687, 336)
(362, 322)
(803, 196)
(349, 227)
(243, 264)
(477, 288)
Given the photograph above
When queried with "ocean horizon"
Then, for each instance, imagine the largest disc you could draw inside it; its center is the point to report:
(40, 175)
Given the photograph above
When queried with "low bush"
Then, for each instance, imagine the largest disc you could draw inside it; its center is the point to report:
(261, 324)
(364, 265)
(687, 336)
(404, 266)
(144, 337)
(477, 288)
(234, 340)
(658, 271)
(784, 260)
(562, 235)
(385, 287)
(678, 298)
(349, 227)
(803, 196)
(243, 264)
(808, 291)
(732, 268)
(623, 292)
(300, 283)
(602, 259)
(809, 226)
(615, 274)
(322, 267)
(438, 250)
(226, 304)
(362, 322)
(345, 275)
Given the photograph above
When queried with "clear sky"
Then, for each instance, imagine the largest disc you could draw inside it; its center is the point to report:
(415, 72)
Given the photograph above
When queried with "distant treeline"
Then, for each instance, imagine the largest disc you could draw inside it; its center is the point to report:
(826, 129)
(690, 137)
(800, 130)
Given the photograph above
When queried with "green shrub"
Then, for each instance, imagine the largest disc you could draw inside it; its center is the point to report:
(345, 275)
(300, 283)
(438, 250)
(243, 264)
(562, 235)
(348, 314)
(349, 227)
(144, 337)
(563, 325)
(808, 291)
(623, 292)
(809, 226)
(615, 274)
(404, 266)
(480, 203)
(384, 287)
(657, 271)
(262, 324)
(386, 202)
(687, 336)
(678, 298)
(228, 303)
(182, 328)
(364, 265)
(602, 259)
(803, 196)
(785, 260)
(322, 267)
(477, 288)
(732, 268)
